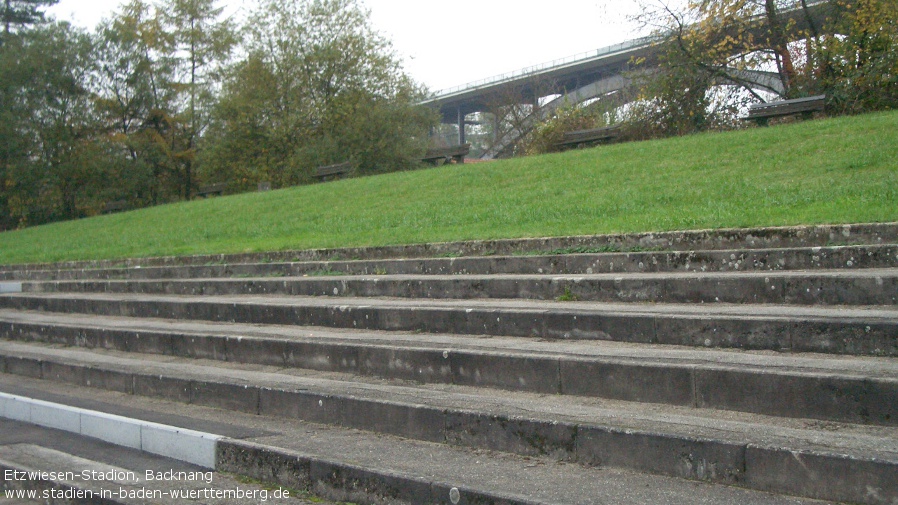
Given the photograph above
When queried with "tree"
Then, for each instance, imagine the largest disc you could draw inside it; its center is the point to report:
(716, 56)
(14, 148)
(516, 110)
(679, 97)
(202, 45)
(136, 71)
(51, 161)
(157, 84)
(135, 91)
(720, 55)
(858, 68)
(727, 38)
(19, 13)
(318, 86)
(548, 133)
(128, 113)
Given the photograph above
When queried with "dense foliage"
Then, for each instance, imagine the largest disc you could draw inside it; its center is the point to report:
(18, 14)
(318, 87)
(164, 97)
(716, 57)
(724, 54)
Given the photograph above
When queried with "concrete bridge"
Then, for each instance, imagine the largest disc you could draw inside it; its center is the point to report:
(571, 80)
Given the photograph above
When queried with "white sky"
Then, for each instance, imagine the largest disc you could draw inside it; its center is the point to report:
(453, 42)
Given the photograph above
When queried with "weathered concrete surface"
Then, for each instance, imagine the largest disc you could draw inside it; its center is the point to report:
(807, 258)
(820, 387)
(114, 475)
(774, 327)
(367, 468)
(782, 237)
(508, 368)
(865, 287)
(656, 440)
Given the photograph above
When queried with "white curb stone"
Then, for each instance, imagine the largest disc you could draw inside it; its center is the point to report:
(190, 446)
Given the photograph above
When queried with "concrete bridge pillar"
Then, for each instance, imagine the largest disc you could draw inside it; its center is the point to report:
(461, 127)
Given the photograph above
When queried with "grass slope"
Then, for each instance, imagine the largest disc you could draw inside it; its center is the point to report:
(841, 170)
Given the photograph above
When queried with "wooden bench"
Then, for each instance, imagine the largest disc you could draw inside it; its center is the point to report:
(116, 206)
(595, 135)
(333, 171)
(441, 155)
(762, 112)
(211, 189)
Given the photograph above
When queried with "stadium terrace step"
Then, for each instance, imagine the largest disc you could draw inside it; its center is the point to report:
(751, 451)
(838, 330)
(784, 385)
(704, 240)
(366, 468)
(863, 287)
(808, 258)
(732, 366)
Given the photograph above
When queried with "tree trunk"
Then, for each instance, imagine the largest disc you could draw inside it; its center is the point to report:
(784, 64)
(7, 18)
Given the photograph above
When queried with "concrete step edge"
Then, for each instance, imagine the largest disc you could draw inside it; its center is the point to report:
(769, 260)
(223, 454)
(836, 475)
(344, 470)
(836, 330)
(291, 468)
(789, 389)
(701, 459)
(869, 287)
(820, 235)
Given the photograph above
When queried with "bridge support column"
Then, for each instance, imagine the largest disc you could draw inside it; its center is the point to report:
(461, 127)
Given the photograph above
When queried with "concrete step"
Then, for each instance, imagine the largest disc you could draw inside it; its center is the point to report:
(519, 351)
(729, 448)
(822, 387)
(701, 240)
(840, 330)
(828, 287)
(805, 258)
(366, 468)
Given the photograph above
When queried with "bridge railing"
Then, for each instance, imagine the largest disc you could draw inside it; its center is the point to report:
(541, 67)
(549, 65)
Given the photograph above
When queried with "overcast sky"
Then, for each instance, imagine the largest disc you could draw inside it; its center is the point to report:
(449, 43)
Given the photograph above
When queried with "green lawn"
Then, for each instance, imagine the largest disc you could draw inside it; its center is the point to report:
(841, 170)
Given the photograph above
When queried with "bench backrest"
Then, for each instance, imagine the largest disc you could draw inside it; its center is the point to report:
(787, 107)
(592, 135)
(116, 206)
(212, 189)
(447, 152)
(329, 170)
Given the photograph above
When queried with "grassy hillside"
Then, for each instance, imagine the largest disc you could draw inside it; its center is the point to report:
(830, 171)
